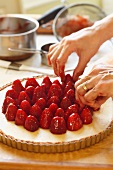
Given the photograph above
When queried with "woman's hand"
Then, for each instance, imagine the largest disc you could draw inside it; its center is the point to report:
(95, 88)
(84, 42)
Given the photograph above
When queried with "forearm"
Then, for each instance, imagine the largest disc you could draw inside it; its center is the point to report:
(104, 29)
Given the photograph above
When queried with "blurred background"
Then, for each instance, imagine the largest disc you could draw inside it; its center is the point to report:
(41, 6)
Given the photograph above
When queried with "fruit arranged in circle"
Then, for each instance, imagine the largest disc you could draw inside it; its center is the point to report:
(46, 104)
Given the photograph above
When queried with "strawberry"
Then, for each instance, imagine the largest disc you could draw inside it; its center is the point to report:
(86, 116)
(53, 107)
(68, 86)
(17, 86)
(47, 81)
(65, 103)
(71, 95)
(53, 99)
(56, 82)
(36, 111)
(6, 102)
(30, 90)
(31, 82)
(23, 96)
(55, 90)
(20, 117)
(31, 123)
(38, 93)
(58, 125)
(12, 93)
(60, 112)
(74, 122)
(45, 90)
(68, 78)
(41, 103)
(46, 118)
(71, 109)
(11, 112)
(25, 106)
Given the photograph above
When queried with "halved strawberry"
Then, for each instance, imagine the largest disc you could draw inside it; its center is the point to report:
(46, 118)
(6, 102)
(58, 125)
(74, 122)
(86, 116)
(11, 112)
(17, 86)
(20, 117)
(25, 106)
(36, 111)
(31, 82)
(31, 123)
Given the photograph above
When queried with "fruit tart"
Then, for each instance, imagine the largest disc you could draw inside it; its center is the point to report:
(41, 114)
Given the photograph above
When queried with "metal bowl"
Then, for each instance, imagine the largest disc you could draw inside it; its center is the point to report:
(75, 17)
(17, 32)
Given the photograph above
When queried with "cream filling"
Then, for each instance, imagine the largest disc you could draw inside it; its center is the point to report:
(101, 121)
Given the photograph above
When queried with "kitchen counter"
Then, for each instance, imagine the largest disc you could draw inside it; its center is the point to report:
(99, 156)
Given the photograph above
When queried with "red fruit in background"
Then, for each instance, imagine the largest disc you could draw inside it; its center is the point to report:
(31, 82)
(17, 86)
(23, 96)
(86, 116)
(71, 95)
(20, 117)
(36, 111)
(25, 106)
(31, 123)
(55, 90)
(41, 102)
(30, 90)
(53, 99)
(47, 81)
(53, 107)
(65, 103)
(46, 118)
(12, 93)
(6, 102)
(74, 122)
(38, 93)
(11, 112)
(58, 125)
(60, 112)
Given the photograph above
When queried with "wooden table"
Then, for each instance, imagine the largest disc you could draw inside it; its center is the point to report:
(99, 156)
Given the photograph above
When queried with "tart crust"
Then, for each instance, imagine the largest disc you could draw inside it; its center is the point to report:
(44, 141)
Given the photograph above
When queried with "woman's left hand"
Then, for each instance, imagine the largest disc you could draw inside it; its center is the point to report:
(95, 88)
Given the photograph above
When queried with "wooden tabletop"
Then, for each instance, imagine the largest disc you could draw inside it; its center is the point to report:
(99, 157)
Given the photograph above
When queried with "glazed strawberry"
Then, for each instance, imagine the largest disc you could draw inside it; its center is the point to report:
(31, 123)
(20, 117)
(38, 93)
(53, 99)
(65, 103)
(23, 96)
(71, 109)
(17, 86)
(44, 88)
(36, 111)
(86, 116)
(46, 118)
(71, 95)
(30, 90)
(56, 82)
(58, 125)
(31, 82)
(53, 107)
(60, 112)
(25, 106)
(12, 93)
(74, 122)
(68, 86)
(55, 90)
(41, 103)
(47, 81)
(11, 112)
(6, 102)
